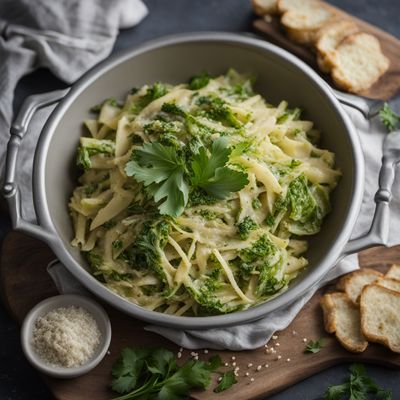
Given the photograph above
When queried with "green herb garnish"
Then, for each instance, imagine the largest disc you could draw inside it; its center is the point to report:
(227, 381)
(389, 118)
(357, 387)
(315, 346)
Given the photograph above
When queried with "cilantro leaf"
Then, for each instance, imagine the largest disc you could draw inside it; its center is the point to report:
(315, 346)
(161, 170)
(228, 379)
(211, 173)
(357, 387)
(214, 363)
(127, 369)
(161, 362)
(389, 118)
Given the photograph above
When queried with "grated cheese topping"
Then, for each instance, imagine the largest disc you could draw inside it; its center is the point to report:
(66, 337)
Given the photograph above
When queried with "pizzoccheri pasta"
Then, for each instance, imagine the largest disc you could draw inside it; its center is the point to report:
(195, 199)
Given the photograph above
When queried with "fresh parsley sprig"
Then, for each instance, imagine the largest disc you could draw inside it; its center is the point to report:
(358, 387)
(389, 118)
(163, 171)
(315, 346)
(144, 373)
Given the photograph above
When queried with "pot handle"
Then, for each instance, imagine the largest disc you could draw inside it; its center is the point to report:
(11, 190)
(378, 233)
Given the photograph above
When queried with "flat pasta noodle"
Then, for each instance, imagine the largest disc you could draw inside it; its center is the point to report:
(222, 253)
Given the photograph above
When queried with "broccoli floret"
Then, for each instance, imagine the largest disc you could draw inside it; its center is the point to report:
(153, 92)
(103, 273)
(146, 251)
(216, 108)
(256, 203)
(172, 108)
(268, 282)
(90, 189)
(199, 81)
(270, 220)
(90, 147)
(204, 291)
(199, 197)
(208, 215)
(245, 227)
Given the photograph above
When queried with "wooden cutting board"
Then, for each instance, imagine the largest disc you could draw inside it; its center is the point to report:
(24, 282)
(387, 86)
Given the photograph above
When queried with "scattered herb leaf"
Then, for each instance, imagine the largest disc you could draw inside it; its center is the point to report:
(357, 387)
(228, 379)
(389, 118)
(315, 346)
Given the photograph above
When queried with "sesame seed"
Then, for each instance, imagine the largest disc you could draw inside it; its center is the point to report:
(259, 367)
(294, 333)
(247, 374)
(179, 355)
(237, 369)
(192, 353)
(266, 346)
(226, 364)
(249, 365)
(279, 357)
(235, 373)
(220, 379)
(288, 359)
(205, 351)
(277, 344)
(252, 379)
(108, 352)
(196, 357)
(233, 364)
(274, 337)
(181, 349)
(233, 358)
(304, 339)
(266, 365)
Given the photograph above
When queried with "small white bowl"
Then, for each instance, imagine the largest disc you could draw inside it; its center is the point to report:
(52, 303)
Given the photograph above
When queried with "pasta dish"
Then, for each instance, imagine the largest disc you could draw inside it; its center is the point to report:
(196, 199)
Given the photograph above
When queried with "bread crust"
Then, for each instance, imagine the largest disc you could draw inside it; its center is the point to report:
(265, 7)
(365, 308)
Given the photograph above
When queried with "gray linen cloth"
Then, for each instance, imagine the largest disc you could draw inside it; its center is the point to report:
(255, 334)
(66, 36)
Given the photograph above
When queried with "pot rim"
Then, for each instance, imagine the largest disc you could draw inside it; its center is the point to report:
(183, 322)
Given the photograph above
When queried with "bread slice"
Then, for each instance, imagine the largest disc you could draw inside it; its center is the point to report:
(264, 7)
(296, 5)
(358, 62)
(303, 24)
(353, 283)
(342, 316)
(390, 283)
(329, 37)
(394, 272)
(380, 316)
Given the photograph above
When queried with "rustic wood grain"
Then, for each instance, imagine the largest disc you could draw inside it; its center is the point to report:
(387, 86)
(24, 282)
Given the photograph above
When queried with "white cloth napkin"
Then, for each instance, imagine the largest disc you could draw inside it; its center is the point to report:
(255, 334)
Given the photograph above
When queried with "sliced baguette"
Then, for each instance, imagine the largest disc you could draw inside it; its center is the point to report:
(353, 283)
(296, 5)
(303, 24)
(390, 283)
(264, 7)
(343, 317)
(380, 316)
(358, 62)
(394, 272)
(329, 37)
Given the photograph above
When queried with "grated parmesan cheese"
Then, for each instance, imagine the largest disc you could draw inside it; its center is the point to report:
(66, 337)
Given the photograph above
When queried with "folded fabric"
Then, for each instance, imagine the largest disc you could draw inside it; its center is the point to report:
(66, 36)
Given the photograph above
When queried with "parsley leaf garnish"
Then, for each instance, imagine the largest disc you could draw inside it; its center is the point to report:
(389, 118)
(228, 379)
(144, 373)
(357, 387)
(315, 346)
(162, 170)
(211, 173)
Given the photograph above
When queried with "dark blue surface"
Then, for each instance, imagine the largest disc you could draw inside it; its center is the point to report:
(18, 381)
